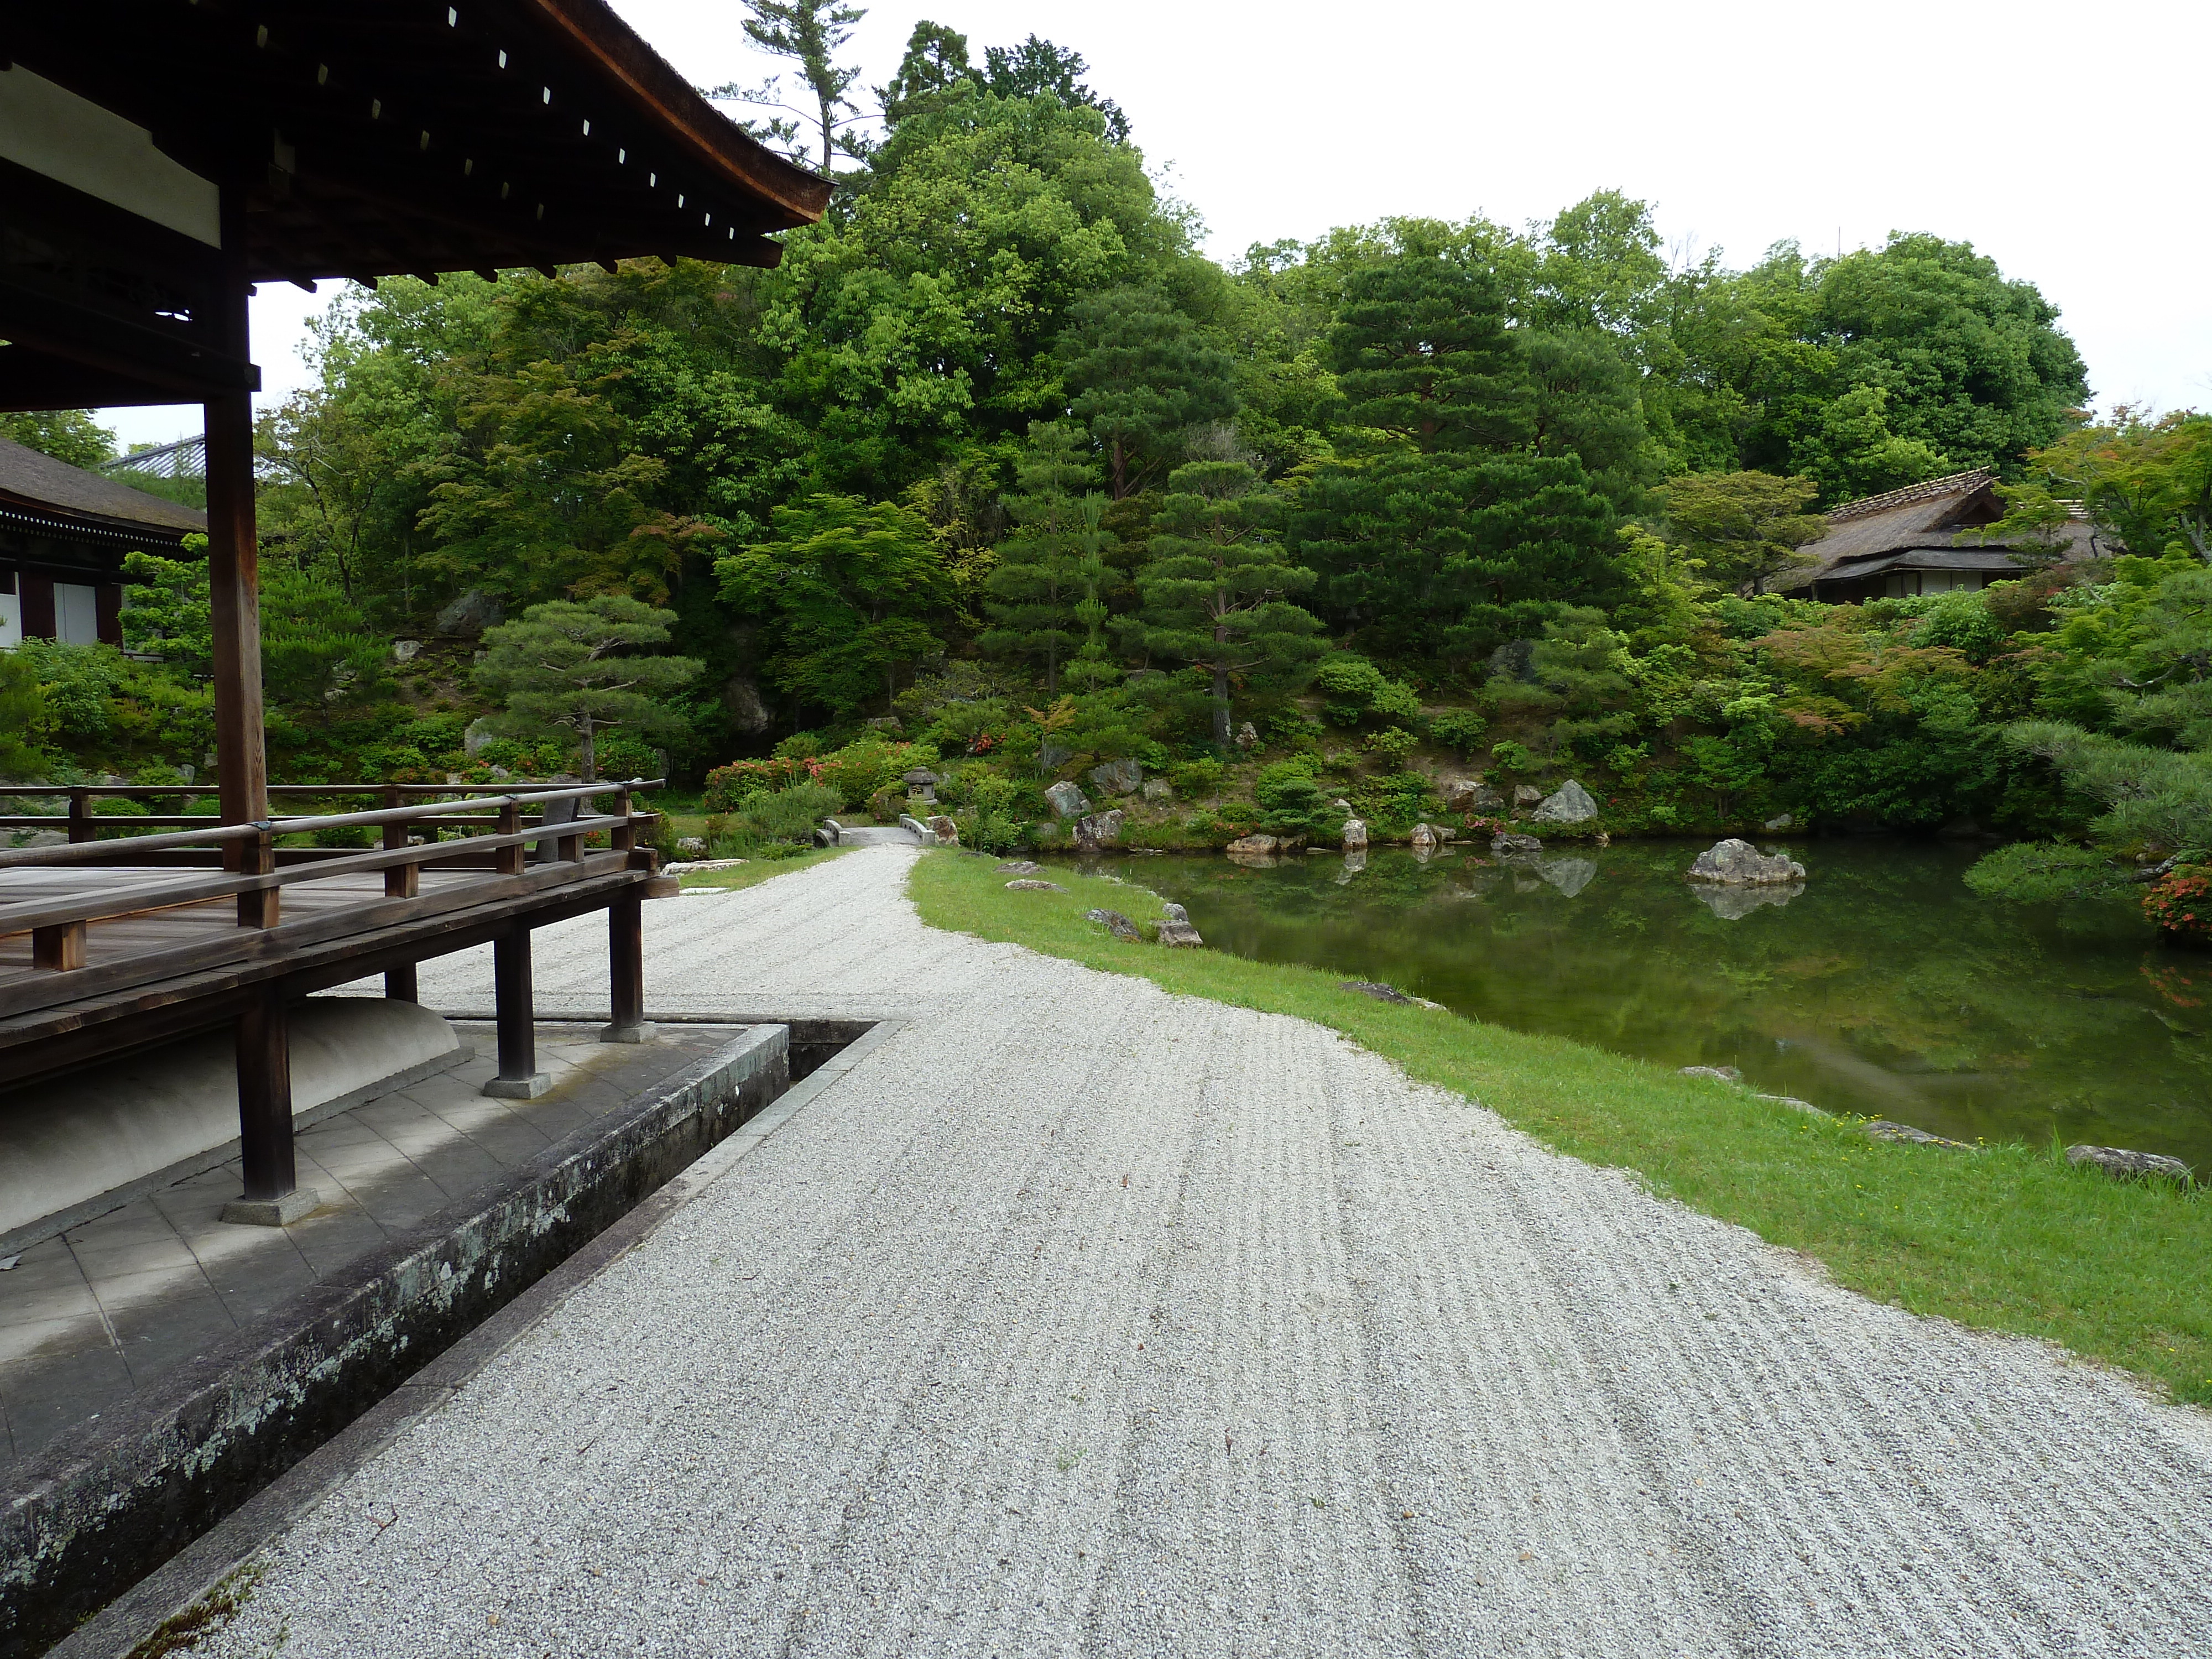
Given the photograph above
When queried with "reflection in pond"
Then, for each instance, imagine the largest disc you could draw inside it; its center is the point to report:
(1878, 985)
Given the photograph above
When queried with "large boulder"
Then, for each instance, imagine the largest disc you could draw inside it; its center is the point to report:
(1507, 845)
(947, 831)
(1425, 838)
(1734, 863)
(1569, 804)
(1471, 795)
(1098, 830)
(471, 614)
(1157, 790)
(1252, 846)
(1525, 795)
(1068, 801)
(2124, 1165)
(1355, 835)
(1117, 777)
(1247, 736)
(1883, 1129)
(1174, 927)
(1115, 923)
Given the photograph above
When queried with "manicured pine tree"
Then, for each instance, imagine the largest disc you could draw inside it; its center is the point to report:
(1092, 668)
(1217, 589)
(1142, 374)
(1033, 596)
(578, 669)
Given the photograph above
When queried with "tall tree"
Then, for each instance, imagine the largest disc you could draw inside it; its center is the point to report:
(1141, 374)
(1217, 588)
(849, 587)
(1032, 596)
(67, 434)
(1743, 529)
(1037, 66)
(933, 71)
(582, 671)
(1420, 349)
(809, 32)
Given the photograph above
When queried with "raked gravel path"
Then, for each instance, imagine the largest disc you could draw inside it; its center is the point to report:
(1079, 1319)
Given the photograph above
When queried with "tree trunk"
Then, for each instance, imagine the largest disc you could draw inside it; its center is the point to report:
(1221, 705)
(1120, 471)
(587, 758)
(1051, 674)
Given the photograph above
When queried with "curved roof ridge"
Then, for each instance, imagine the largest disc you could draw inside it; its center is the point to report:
(1955, 483)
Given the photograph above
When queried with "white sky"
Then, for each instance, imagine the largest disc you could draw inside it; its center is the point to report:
(2059, 140)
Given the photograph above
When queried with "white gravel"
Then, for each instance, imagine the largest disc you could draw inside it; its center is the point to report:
(1080, 1319)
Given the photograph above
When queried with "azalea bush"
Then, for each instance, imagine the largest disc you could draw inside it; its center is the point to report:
(2180, 905)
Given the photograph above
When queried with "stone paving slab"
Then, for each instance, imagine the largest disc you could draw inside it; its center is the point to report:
(122, 1300)
(1079, 1319)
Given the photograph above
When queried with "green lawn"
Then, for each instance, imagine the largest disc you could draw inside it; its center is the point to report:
(2011, 1239)
(756, 870)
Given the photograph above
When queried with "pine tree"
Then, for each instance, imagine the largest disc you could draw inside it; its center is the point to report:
(1420, 349)
(1141, 376)
(1091, 668)
(1031, 596)
(578, 669)
(1216, 591)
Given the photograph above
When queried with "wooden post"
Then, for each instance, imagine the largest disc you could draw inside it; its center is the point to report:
(508, 860)
(234, 556)
(401, 881)
(626, 970)
(518, 1077)
(259, 909)
(273, 1195)
(80, 815)
(59, 949)
(623, 839)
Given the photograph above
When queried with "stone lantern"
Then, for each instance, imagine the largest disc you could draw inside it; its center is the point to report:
(921, 788)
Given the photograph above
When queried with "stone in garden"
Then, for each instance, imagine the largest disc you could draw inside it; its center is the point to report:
(1883, 1129)
(1051, 755)
(1739, 864)
(1174, 927)
(1774, 826)
(1569, 804)
(1425, 838)
(947, 831)
(700, 866)
(1508, 845)
(1026, 885)
(1157, 789)
(473, 741)
(1794, 1104)
(1355, 860)
(1718, 1073)
(405, 650)
(1252, 846)
(1117, 777)
(1471, 795)
(1247, 736)
(2124, 1165)
(1377, 989)
(1341, 804)
(1525, 795)
(471, 614)
(1355, 834)
(1019, 867)
(1115, 923)
(1068, 801)
(691, 847)
(890, 723)
(1098, 830)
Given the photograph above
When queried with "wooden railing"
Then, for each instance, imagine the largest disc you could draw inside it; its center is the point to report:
(497, 837)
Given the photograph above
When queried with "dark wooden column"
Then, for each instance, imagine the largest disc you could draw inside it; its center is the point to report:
(234, 556)
(404, 881)
(518, 1077)
(626, 970)
(273, 1195)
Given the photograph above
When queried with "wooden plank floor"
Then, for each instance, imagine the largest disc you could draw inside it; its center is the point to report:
(127, 937)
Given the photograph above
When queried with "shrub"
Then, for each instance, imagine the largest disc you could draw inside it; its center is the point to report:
(1458, 729)
(1393, 745)
(789, 814)
(1353, 688)
(799, 745)
(1197, 777)
(1512, 756)
(2180, 905)
(1293, 801)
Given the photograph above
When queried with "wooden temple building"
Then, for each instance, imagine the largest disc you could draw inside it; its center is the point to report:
(1928, 537)
(159, 158)
(64, 533)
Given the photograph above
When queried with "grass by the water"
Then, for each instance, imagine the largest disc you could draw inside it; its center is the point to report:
(2009, 1238)
(753, 872)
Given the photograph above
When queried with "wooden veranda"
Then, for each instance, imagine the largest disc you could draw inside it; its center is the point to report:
(158, 159)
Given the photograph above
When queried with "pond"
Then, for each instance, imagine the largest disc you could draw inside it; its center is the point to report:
(1883, 986)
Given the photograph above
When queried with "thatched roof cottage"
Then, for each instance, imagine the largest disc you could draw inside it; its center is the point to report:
(1923, 539)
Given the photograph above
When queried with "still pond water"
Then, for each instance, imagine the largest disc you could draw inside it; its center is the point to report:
(1884, 987)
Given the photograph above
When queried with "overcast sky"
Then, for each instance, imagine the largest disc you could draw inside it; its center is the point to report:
(2056, 138)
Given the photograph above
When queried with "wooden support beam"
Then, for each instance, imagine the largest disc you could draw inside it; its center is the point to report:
(262, 907)
(59, 949)
(399, 984)
(234, 552)
(626, 971)
(273, 1195)
(518, 1077)
(405, 880)
(80, 815)
(510, 860)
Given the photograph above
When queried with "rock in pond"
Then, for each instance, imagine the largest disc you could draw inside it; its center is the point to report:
(1718, 1073)
(1027, 885)
(1774, 826)
(1018, 867)
(1174, 927)
(2124, 1165)
(1115, 923)
(1568, 876)
(1525, 795)
(1098, 830)
(1883, 1129)
(1252, 846)
(1734, 863)
(1068, 801)
(1355, 834)
(1117, 777)
(1735, 903)
(1508, 845)
(1569, 804)
(1425, 839)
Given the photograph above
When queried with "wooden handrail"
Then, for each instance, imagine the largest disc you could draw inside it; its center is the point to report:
(130, 791)
(32, 913)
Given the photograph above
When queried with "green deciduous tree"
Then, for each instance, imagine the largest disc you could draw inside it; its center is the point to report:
(67, 434)
(1141, 374)
(1217, 588)
(2146, 481)
(581, 669)
(849, 587)
(22, 714)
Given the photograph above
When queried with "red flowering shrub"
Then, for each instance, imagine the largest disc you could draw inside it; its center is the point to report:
(2180, 905)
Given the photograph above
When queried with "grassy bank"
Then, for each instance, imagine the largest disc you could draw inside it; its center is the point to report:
(753, 872)
(2011, 1239)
